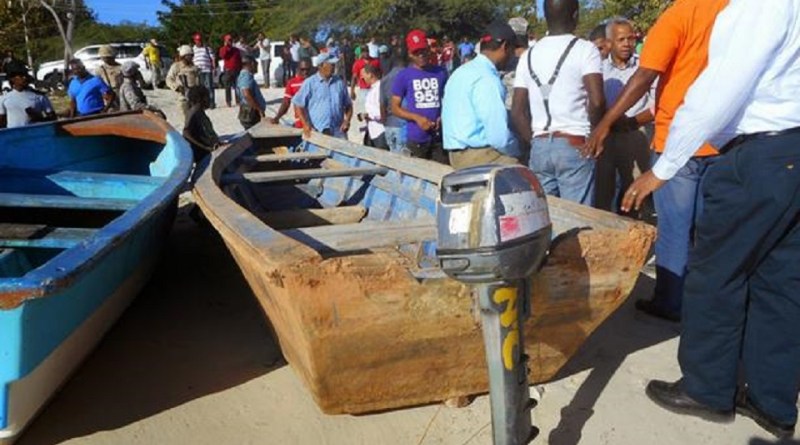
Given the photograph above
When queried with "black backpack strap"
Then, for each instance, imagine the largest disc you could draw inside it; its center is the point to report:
(545, 89)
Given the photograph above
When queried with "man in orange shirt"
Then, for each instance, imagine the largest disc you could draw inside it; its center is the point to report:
(676, 52)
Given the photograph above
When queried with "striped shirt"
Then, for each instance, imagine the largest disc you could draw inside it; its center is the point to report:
(203, 59)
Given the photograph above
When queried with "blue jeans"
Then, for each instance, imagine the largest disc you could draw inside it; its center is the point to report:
(396, 140)
(207, 80)
(562, 171)
(678, 204)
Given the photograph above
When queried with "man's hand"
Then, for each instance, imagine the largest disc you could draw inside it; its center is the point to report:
(424, 123)
(593, 147)
(345, 126)
(352, 94)
(641, 188)
(275, 121)
(306, 131)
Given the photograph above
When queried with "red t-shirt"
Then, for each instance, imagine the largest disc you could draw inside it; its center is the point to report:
(359, 65)
(292, 87)
(231, 57)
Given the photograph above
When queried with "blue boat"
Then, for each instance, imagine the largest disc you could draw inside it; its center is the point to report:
(85, 206)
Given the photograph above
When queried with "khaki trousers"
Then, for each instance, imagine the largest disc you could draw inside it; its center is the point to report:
(478, 156)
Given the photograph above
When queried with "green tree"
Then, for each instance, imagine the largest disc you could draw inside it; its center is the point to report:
(212, 18)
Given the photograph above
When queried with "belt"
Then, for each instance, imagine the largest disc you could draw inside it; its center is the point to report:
(742, 138)
(575, 141)
(469, 148)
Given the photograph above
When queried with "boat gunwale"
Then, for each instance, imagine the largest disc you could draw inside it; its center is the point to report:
(71, 264)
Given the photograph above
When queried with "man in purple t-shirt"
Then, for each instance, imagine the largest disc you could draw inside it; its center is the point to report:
(420, 87)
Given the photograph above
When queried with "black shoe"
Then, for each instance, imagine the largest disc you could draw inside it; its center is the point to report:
(745, 407)
(650, 308)
(672, 397)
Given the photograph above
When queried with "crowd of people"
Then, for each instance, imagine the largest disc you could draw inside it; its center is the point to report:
(604, 121)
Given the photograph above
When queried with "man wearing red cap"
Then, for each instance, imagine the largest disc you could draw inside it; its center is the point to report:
(420, 87)
(232, 64)
(204, 61)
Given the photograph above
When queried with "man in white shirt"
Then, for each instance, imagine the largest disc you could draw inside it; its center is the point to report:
(558, 95)
(204, 61)
(741, 306)
(23, 106)
(264, 57)
(372, 106)
(628, 144)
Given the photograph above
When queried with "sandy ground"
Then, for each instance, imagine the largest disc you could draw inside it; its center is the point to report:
(192, 362)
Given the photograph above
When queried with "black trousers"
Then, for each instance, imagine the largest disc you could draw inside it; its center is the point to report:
(741, 300)
(432, 150)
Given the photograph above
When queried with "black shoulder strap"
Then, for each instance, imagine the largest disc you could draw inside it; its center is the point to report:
(545, 89)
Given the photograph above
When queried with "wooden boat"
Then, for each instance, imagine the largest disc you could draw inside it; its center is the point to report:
(85, 206)
(337, 242)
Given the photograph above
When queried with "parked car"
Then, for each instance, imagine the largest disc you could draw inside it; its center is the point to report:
(52, 73)
(275, 67)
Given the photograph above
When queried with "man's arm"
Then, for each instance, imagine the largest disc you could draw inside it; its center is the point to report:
(493, 114)
(3, 119)
(722, 91)
(521, 115)
(638, 85)
(282, 110)
(251, 100)
(597, 104)
(402, 113)
(303, 114)
(73, 108)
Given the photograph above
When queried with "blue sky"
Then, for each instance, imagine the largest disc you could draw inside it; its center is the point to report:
(137, 11)
(115, 11)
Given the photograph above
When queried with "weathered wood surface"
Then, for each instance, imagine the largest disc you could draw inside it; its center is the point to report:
(64, 202)
(286, 219)
(365, 335)
(41, 236)
(365, 235)
(283, 157)
(300, 174)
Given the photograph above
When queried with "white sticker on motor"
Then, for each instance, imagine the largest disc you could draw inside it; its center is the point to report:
(525, 213)
(459, 219)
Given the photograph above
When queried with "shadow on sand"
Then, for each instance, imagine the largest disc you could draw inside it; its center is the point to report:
(195, 330)
(628, 332)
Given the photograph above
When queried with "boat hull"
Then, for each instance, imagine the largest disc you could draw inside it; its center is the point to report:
(54, 311)
(365, 334)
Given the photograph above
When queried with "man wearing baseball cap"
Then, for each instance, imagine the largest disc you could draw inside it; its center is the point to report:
(323, 103)
(474, 116)
(232, 64)
(417, 98)
(152, 59)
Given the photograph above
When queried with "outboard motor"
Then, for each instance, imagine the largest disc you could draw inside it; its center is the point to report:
(493, 232)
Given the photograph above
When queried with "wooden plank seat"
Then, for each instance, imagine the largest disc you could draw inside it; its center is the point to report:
(95, 184)
(41, 236)
(365, 235)
(24, 200)
(281, 157)
(301, 174)
(286, 219)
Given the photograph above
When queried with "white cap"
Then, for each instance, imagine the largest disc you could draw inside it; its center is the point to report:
(185, 50)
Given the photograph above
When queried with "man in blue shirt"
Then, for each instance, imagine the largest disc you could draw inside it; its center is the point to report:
(466, 50)
(323, 103)
(474, 116)
(88, 94)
